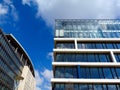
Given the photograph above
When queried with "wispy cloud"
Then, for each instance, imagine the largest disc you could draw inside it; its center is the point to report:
(38, 88)
(38, 79)
(50, 56)
(3, 10)
(76, 9)
(26, 2)
(48, 74)
(7, 11)
(43, 79)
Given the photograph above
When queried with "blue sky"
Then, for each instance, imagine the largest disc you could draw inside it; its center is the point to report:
(32, 23)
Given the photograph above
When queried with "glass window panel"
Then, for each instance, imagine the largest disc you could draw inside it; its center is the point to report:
(83, 87)
(97, 87)
(103, 58)
(114, 73)
(75, 72)
(110, 46)
(94, 73)
(118, 72)
(76, 86)
(88, 73)
(91, 57)
(65, 45)
(112, 87)
(69, 87)
(101, 74)
(68, 73)
(79, 57)
(117, 56)
(107, 73)
(118, 45)
(83, 73)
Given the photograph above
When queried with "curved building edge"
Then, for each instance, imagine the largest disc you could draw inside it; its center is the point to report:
(11, 37)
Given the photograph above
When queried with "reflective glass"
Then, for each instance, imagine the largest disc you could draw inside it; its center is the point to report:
(76, 86)
(117, 56)
(87, 72)
(97, 28)
(81, 57)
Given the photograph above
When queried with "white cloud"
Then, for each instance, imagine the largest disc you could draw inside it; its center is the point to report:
(3, 10)
(7, 11)
(38, 79)
(50, 55)
(7, 1)
(38, 88)
(76, 9)
(27, 2)
(47, 74)
(43, 79)
(48, 86)
(14, 12)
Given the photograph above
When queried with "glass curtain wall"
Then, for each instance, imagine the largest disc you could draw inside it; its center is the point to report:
(63, 86)
(98, 45)
(87, 72)
(83, 57)
(87, 28)
(10, 66)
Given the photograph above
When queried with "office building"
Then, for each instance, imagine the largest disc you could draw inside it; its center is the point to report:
(86, 54)
(16, 68)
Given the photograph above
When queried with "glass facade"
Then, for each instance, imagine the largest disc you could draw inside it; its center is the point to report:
(99, 39)
(87, 28)
(63, 86)
(98, 45)
(117, 55)
(87, 72)
(65, 45)
(83, 57)
(11, 63)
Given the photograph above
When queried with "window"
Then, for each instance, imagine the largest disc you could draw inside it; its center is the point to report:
(76, 86)
(65, 45)
(83, 57)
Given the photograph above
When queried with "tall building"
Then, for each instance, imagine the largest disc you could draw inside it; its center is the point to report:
(86, 54)
(16, 68)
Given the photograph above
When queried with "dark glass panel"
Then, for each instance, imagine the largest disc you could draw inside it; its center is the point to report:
(87, 57)
(69, 45)
(98, 45)
(69, 86)
(68, 72)
(107, 73)
(112, 87)
(83, 87)
(94, 73)
(103, 58)
(86, 86)
(118, 72)
(90, 57)
(76, 86)
(97, 87)
(79, 58)
(83, 73)
(104, 87)
(117, 56)
(118, 45)
(109, 46)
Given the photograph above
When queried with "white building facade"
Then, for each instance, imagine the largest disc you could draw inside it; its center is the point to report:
(86, 54)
